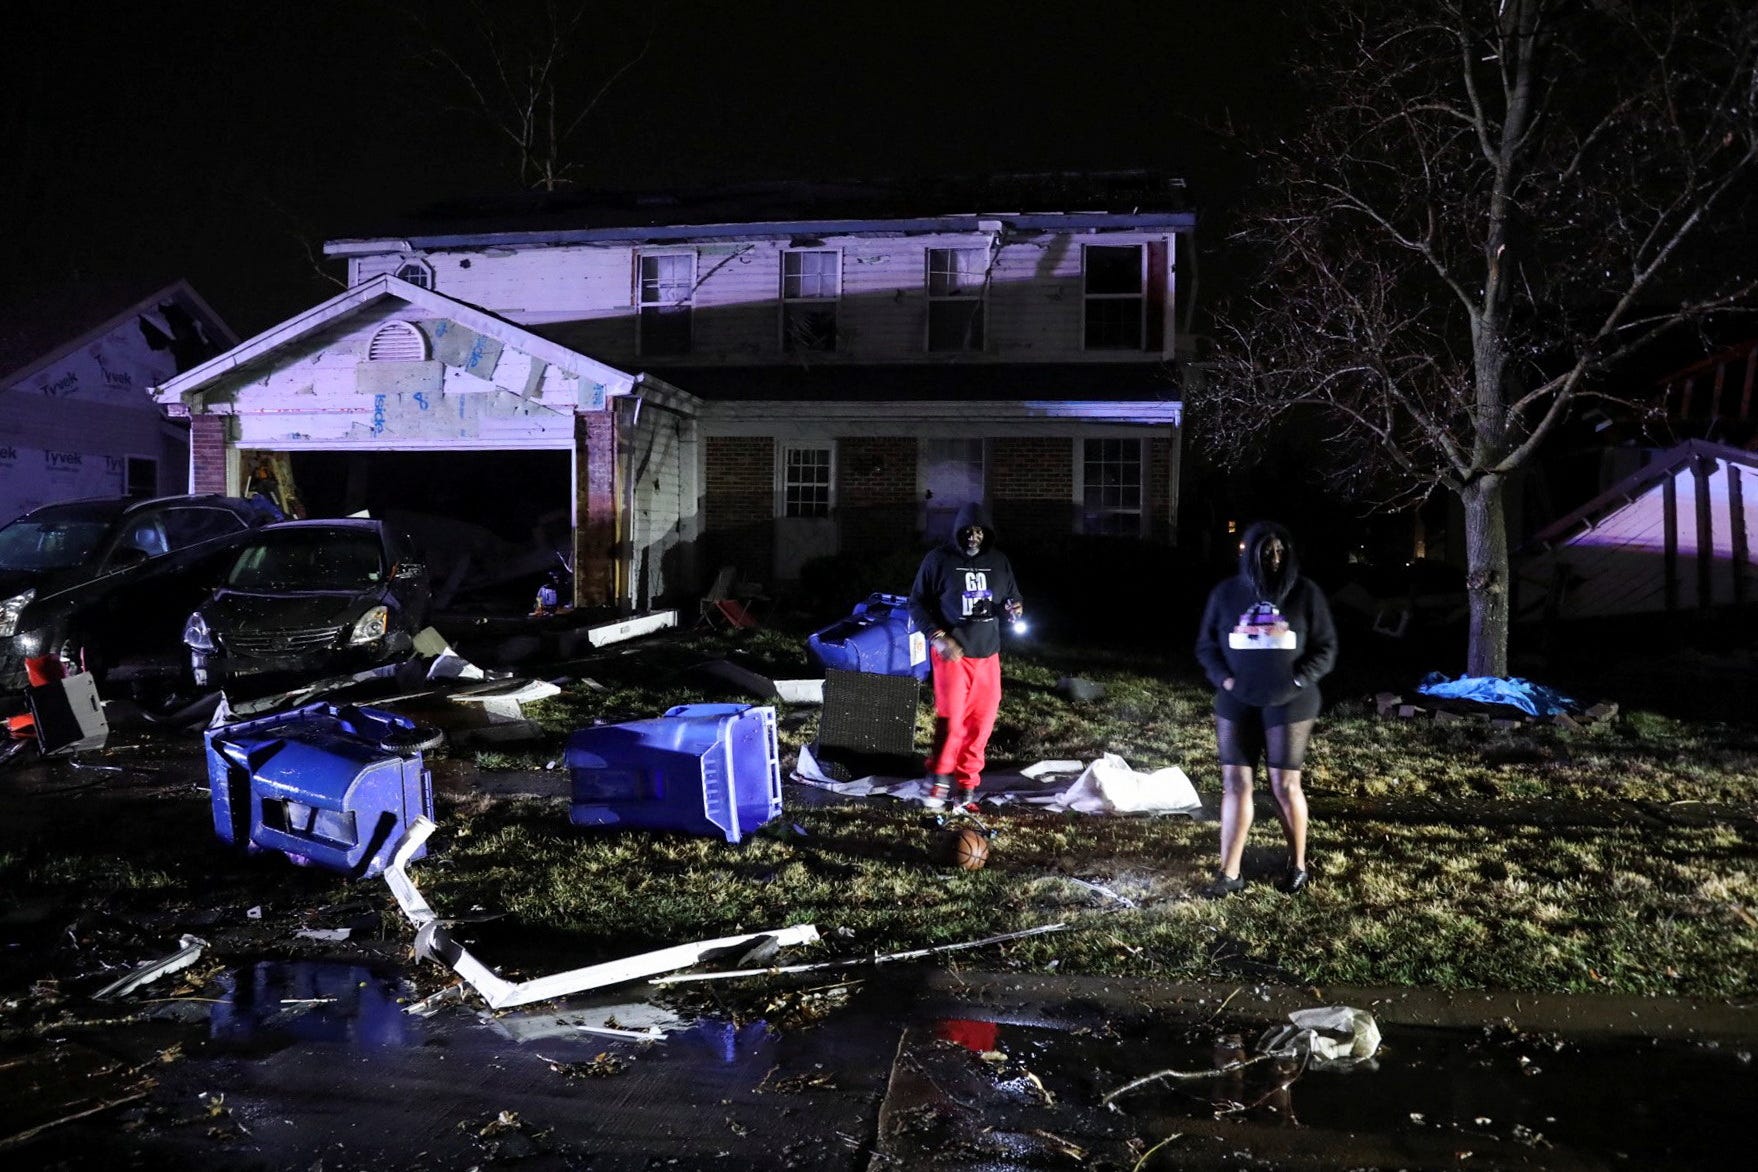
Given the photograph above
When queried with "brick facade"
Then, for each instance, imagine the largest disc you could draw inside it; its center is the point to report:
(209, 457)
(876, 492)
(1031, 488)
(738, 505)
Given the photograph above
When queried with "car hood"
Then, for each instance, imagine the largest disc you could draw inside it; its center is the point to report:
(244, 610)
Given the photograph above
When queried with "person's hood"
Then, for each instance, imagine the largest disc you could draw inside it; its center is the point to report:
(971, 513)
(1251, 566)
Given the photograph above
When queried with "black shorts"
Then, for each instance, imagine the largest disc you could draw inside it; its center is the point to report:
(1276, 735)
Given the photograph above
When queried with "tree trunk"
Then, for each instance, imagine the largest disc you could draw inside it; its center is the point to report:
(1486, 577)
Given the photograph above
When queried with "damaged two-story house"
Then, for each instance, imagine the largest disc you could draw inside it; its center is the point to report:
(754, 377)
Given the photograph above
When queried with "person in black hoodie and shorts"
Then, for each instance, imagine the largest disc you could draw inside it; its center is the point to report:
(1265, 642)
(963, 592)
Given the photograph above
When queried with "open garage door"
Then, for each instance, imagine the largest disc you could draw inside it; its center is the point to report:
(492, 524)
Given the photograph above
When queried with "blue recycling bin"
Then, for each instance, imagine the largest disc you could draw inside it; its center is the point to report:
(711, 769)
(329, 785)
(878, 637)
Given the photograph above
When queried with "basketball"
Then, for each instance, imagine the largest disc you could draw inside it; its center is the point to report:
(967, 849)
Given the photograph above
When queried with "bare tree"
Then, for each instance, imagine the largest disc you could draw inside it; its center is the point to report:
(1491, 203)
(533, 71)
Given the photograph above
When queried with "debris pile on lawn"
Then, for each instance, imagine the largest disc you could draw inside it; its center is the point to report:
(1503, 702)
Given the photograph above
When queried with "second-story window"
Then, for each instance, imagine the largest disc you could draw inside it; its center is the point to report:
(811, 283)
(1116, 296)
(416, 272)
(667, 281)
(955, 298)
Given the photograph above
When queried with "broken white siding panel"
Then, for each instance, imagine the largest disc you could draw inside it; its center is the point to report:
(1674, 536)
(320, 337)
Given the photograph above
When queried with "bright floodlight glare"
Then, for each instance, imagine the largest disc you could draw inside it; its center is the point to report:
(1021, 627)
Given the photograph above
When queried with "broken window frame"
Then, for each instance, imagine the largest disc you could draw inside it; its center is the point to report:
(664, 318)
(957, 305)
(1105, 311)
(810, 300)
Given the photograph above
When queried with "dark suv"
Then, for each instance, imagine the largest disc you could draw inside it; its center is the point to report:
(101, 583)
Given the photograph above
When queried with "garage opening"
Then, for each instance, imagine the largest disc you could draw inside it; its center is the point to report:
(493, 526)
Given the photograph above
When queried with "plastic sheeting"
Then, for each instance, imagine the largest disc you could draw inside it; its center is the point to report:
(1328, 1038)
(1525, 695)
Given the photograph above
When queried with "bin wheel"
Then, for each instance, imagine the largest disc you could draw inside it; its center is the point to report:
(420, 739)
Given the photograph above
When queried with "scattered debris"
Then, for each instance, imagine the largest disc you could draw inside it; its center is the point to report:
(502, 704)
(887, 958)
(1110, 786)
(331, 935)
(646, 624)
(67, 714)
(432, 940)
(1328, 1038)
(1078, 690)
(637, 1021)
(186, 955)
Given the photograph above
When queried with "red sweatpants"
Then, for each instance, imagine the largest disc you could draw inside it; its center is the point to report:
(967, 694)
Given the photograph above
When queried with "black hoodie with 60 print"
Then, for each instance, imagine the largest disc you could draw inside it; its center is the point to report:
(963, 593)
(1270, 632)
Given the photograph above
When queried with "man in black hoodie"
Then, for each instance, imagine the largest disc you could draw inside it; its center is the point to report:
(1265, 641)
(962, 593)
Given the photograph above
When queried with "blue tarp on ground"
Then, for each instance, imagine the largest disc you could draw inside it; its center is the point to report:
(1522, 694)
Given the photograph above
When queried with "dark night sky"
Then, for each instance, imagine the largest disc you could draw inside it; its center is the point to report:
(221, 141)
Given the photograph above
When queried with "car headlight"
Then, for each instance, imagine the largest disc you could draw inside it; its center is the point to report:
(196, 635)
(11, 609)
(371, 625)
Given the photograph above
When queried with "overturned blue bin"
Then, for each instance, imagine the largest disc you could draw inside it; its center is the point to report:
(878, 637)
(330, 785)
(701, 768)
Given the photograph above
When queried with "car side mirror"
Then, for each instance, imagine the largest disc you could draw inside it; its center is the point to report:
(128, 555)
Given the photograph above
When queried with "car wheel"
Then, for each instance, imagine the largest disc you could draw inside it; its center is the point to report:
(420, 739)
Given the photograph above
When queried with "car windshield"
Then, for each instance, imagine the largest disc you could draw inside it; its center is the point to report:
(56, 539)
(309, 559)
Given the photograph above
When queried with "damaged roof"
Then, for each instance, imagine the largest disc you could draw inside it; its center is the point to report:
(1041, 201)
(924, 382)
(59, 319)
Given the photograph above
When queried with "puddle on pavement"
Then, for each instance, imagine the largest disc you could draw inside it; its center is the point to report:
(305, 1057)
(283, 1001)
(1563, 1103)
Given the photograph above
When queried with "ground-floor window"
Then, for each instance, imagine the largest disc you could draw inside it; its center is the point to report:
(1111, 486)
(143, 477)
(807, 473)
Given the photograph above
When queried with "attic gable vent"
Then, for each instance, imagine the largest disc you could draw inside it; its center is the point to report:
(397, 341)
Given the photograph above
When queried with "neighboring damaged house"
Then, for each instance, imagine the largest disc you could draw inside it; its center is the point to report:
(1673, 536)
(80, 420)
(824, 370)
(444, 419)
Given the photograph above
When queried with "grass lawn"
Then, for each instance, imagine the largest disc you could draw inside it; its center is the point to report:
(1622, 857)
